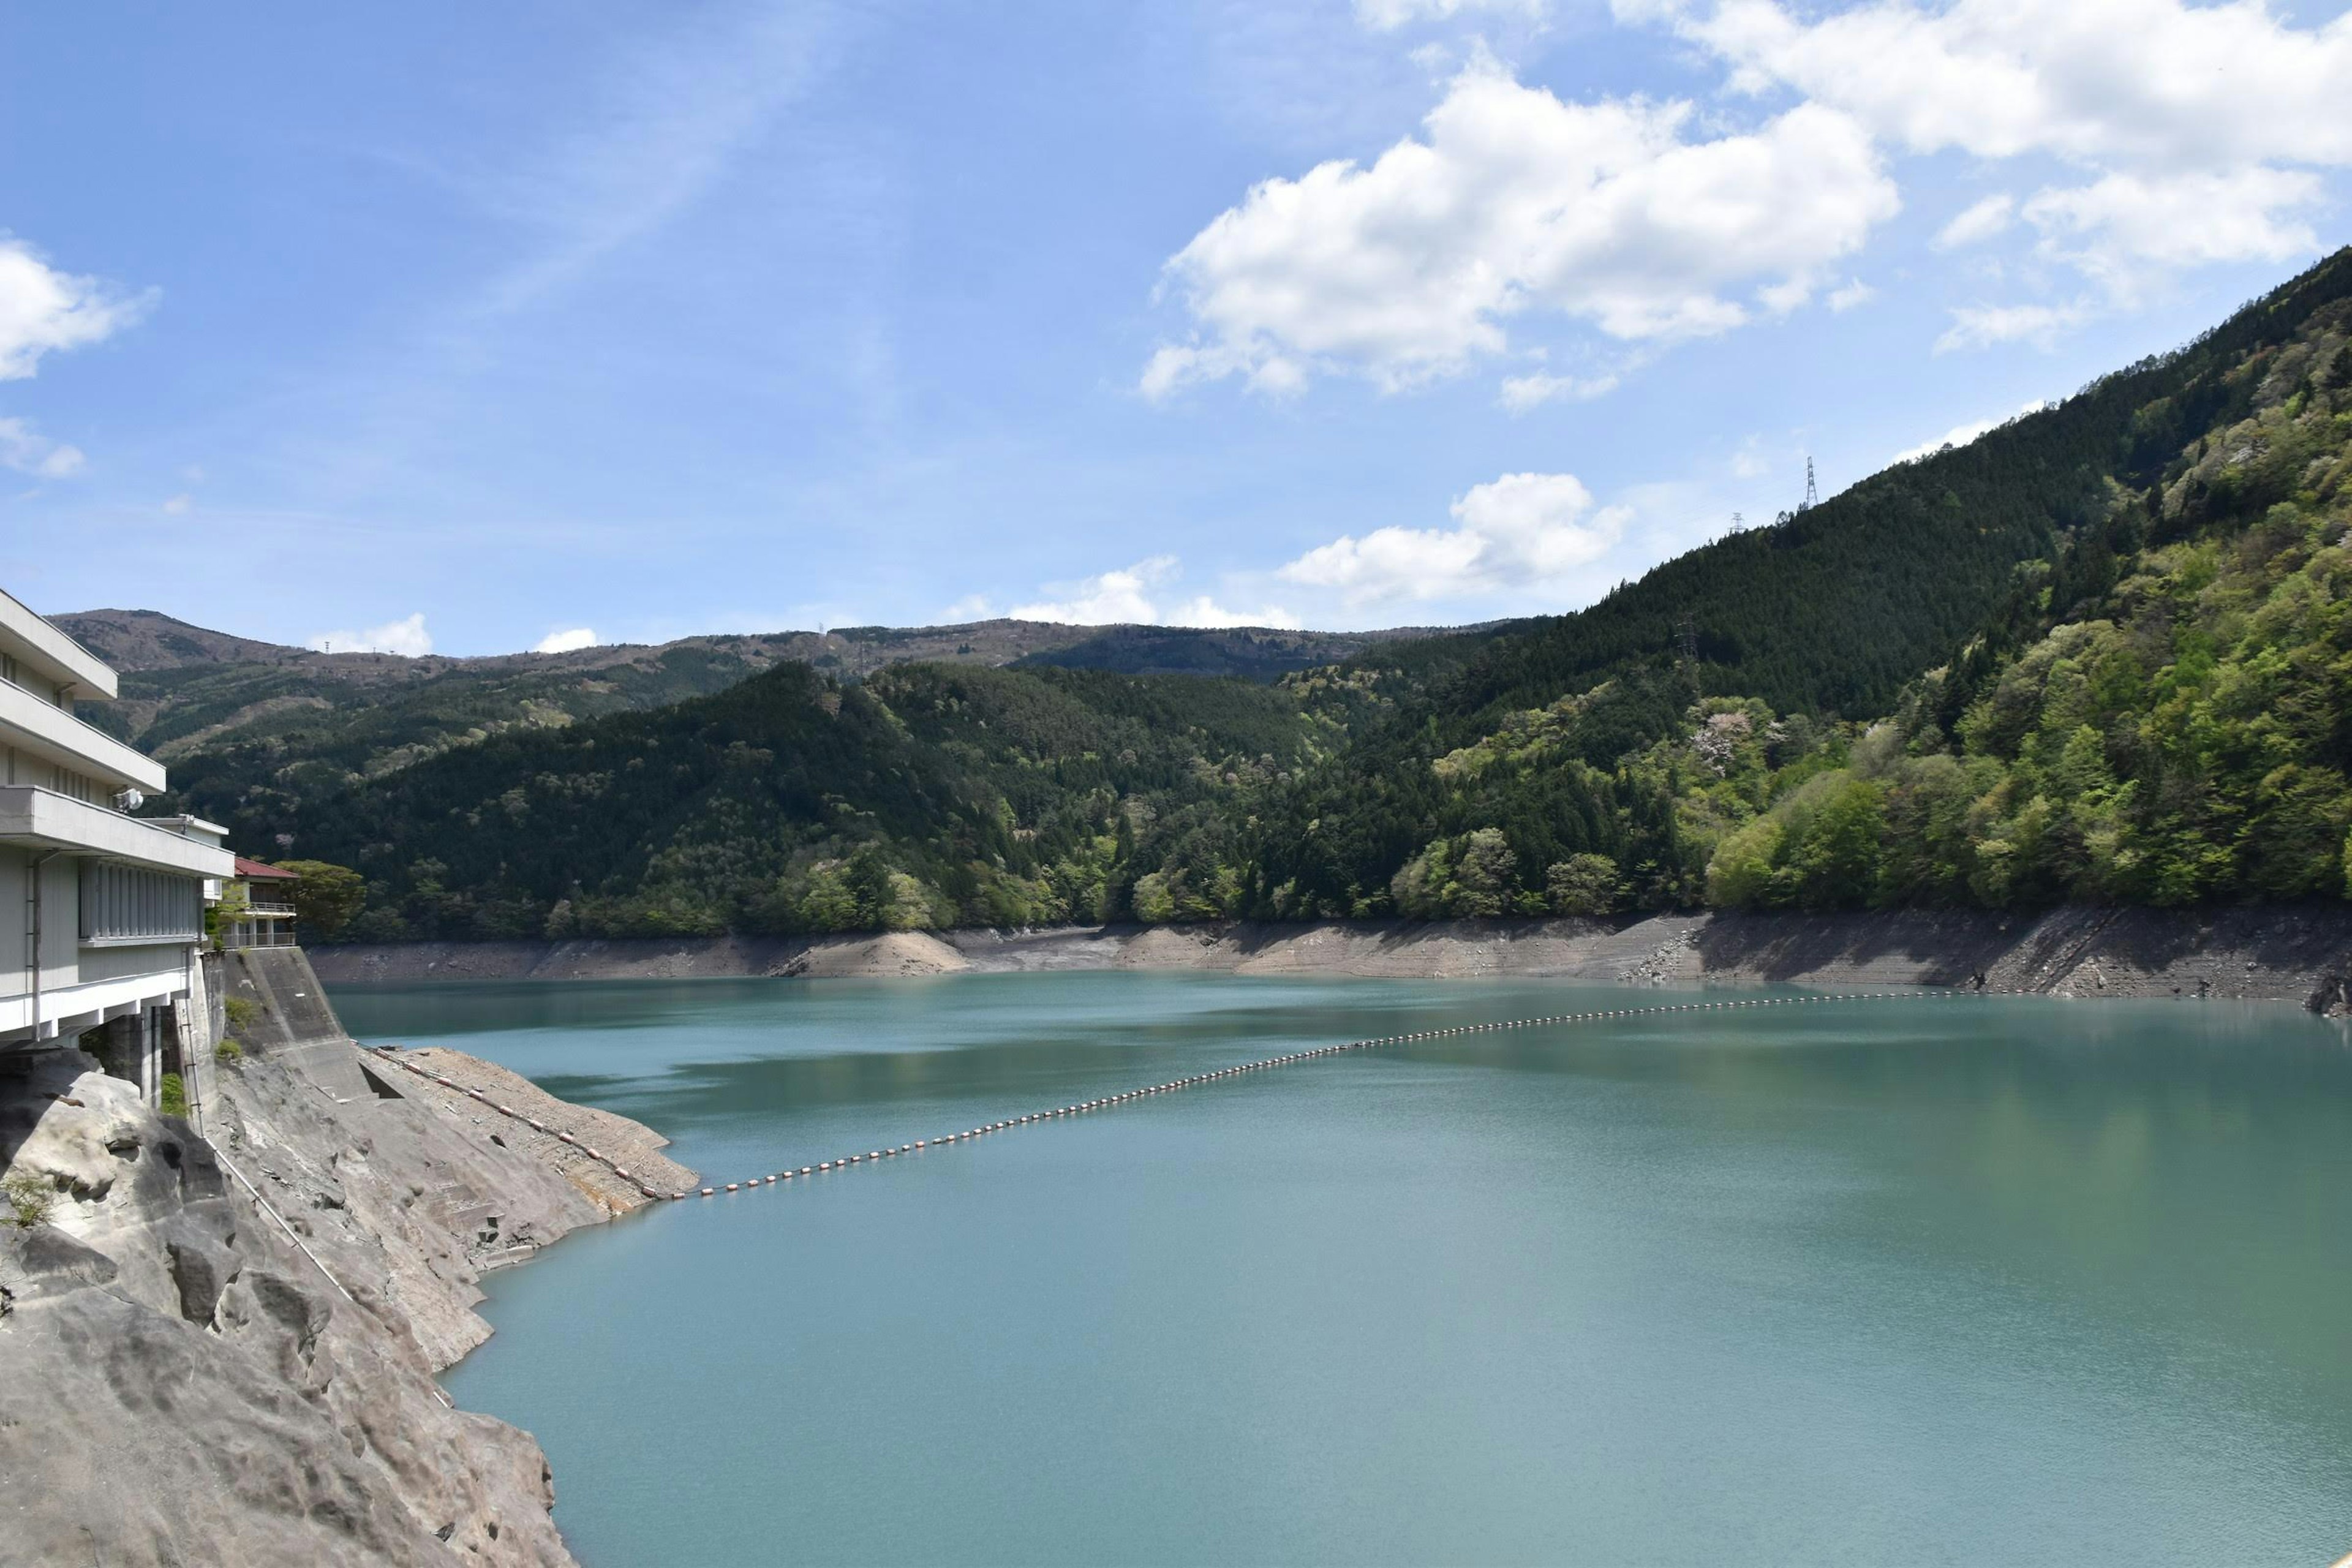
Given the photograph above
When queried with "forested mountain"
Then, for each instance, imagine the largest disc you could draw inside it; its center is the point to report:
(251, 726)
(928, 795)
(2162, 715)
(2102, 652)
(1247, 653)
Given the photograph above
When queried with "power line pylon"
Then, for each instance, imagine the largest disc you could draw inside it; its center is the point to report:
(1812, 493)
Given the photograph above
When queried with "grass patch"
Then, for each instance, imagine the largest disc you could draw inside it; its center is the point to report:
(29, 1199)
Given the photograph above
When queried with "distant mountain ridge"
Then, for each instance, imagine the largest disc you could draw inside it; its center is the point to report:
(140, 641)
(256, 709)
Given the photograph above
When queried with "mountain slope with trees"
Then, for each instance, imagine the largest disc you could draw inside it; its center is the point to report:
(2099, 653)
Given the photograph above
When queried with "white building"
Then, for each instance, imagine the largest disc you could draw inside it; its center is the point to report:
(106, 910)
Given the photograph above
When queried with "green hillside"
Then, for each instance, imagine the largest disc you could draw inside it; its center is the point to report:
(2099, 653)
(2162, 716)
(927, 794)
(1572, 737)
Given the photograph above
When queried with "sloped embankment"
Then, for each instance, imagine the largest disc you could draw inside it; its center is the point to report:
(197, 1369)
(2277, 952)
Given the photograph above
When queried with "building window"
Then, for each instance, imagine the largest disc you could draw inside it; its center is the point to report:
(127, 904)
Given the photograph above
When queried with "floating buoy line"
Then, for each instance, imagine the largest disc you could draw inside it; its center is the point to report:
(1126, 1096)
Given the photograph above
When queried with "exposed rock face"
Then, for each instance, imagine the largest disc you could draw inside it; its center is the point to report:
(2276, 953)
(180, 1382)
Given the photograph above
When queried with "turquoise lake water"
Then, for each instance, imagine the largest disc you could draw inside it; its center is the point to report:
(2010, 1281)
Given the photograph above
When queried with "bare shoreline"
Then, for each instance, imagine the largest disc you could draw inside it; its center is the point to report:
(2283, 954)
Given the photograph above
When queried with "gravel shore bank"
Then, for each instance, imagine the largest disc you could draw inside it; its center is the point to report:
(2278, 953)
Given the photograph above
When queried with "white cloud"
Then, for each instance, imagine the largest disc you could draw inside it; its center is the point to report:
(570, 641)
(1979, 326)
(1516, 532)
(1204, 611)
(1514, 201)
(1981, 221)
(406, 638)
(1126, 597)
(1521, 392)
(1961, 435)
(179, 504)
(2121, 225)
(2197, 125)
(1113, 598)
(2094, 81)
(1855, 292)
(1386, 15)
(43, 311)
(29, 451)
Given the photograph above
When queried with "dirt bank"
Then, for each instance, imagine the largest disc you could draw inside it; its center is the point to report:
(2278, 953)
(668, 958)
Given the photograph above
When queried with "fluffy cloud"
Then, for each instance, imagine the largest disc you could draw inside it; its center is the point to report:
(1126, 597)
(1521, 392)
(1112, 598)
(1855, 292)
(29, 451)
(1518, 531)
(406, 638)
(1204, 611)
(1981, 221)
(2147, 80)
(1514, 201)
(1386, 15)
(1961, 435)
(1980, 326)
(2115, 227)
(570, 641)
(2196, 124)
(43, 311)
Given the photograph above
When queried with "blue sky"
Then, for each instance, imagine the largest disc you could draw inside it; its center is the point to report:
(467, 327)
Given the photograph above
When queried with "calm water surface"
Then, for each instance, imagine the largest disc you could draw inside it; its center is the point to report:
(1933, 1281)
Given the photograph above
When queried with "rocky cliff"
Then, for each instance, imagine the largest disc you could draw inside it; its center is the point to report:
(220, 1348)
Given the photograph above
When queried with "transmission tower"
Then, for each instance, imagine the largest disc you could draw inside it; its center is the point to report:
(1812, 494)
(1686, 638)
(1738, 523)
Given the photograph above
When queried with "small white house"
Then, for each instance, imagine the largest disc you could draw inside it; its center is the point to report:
(101, 914)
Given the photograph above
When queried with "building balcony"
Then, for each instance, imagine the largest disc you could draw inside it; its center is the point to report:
(47, 732)
(35, 819)
(48, 654)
